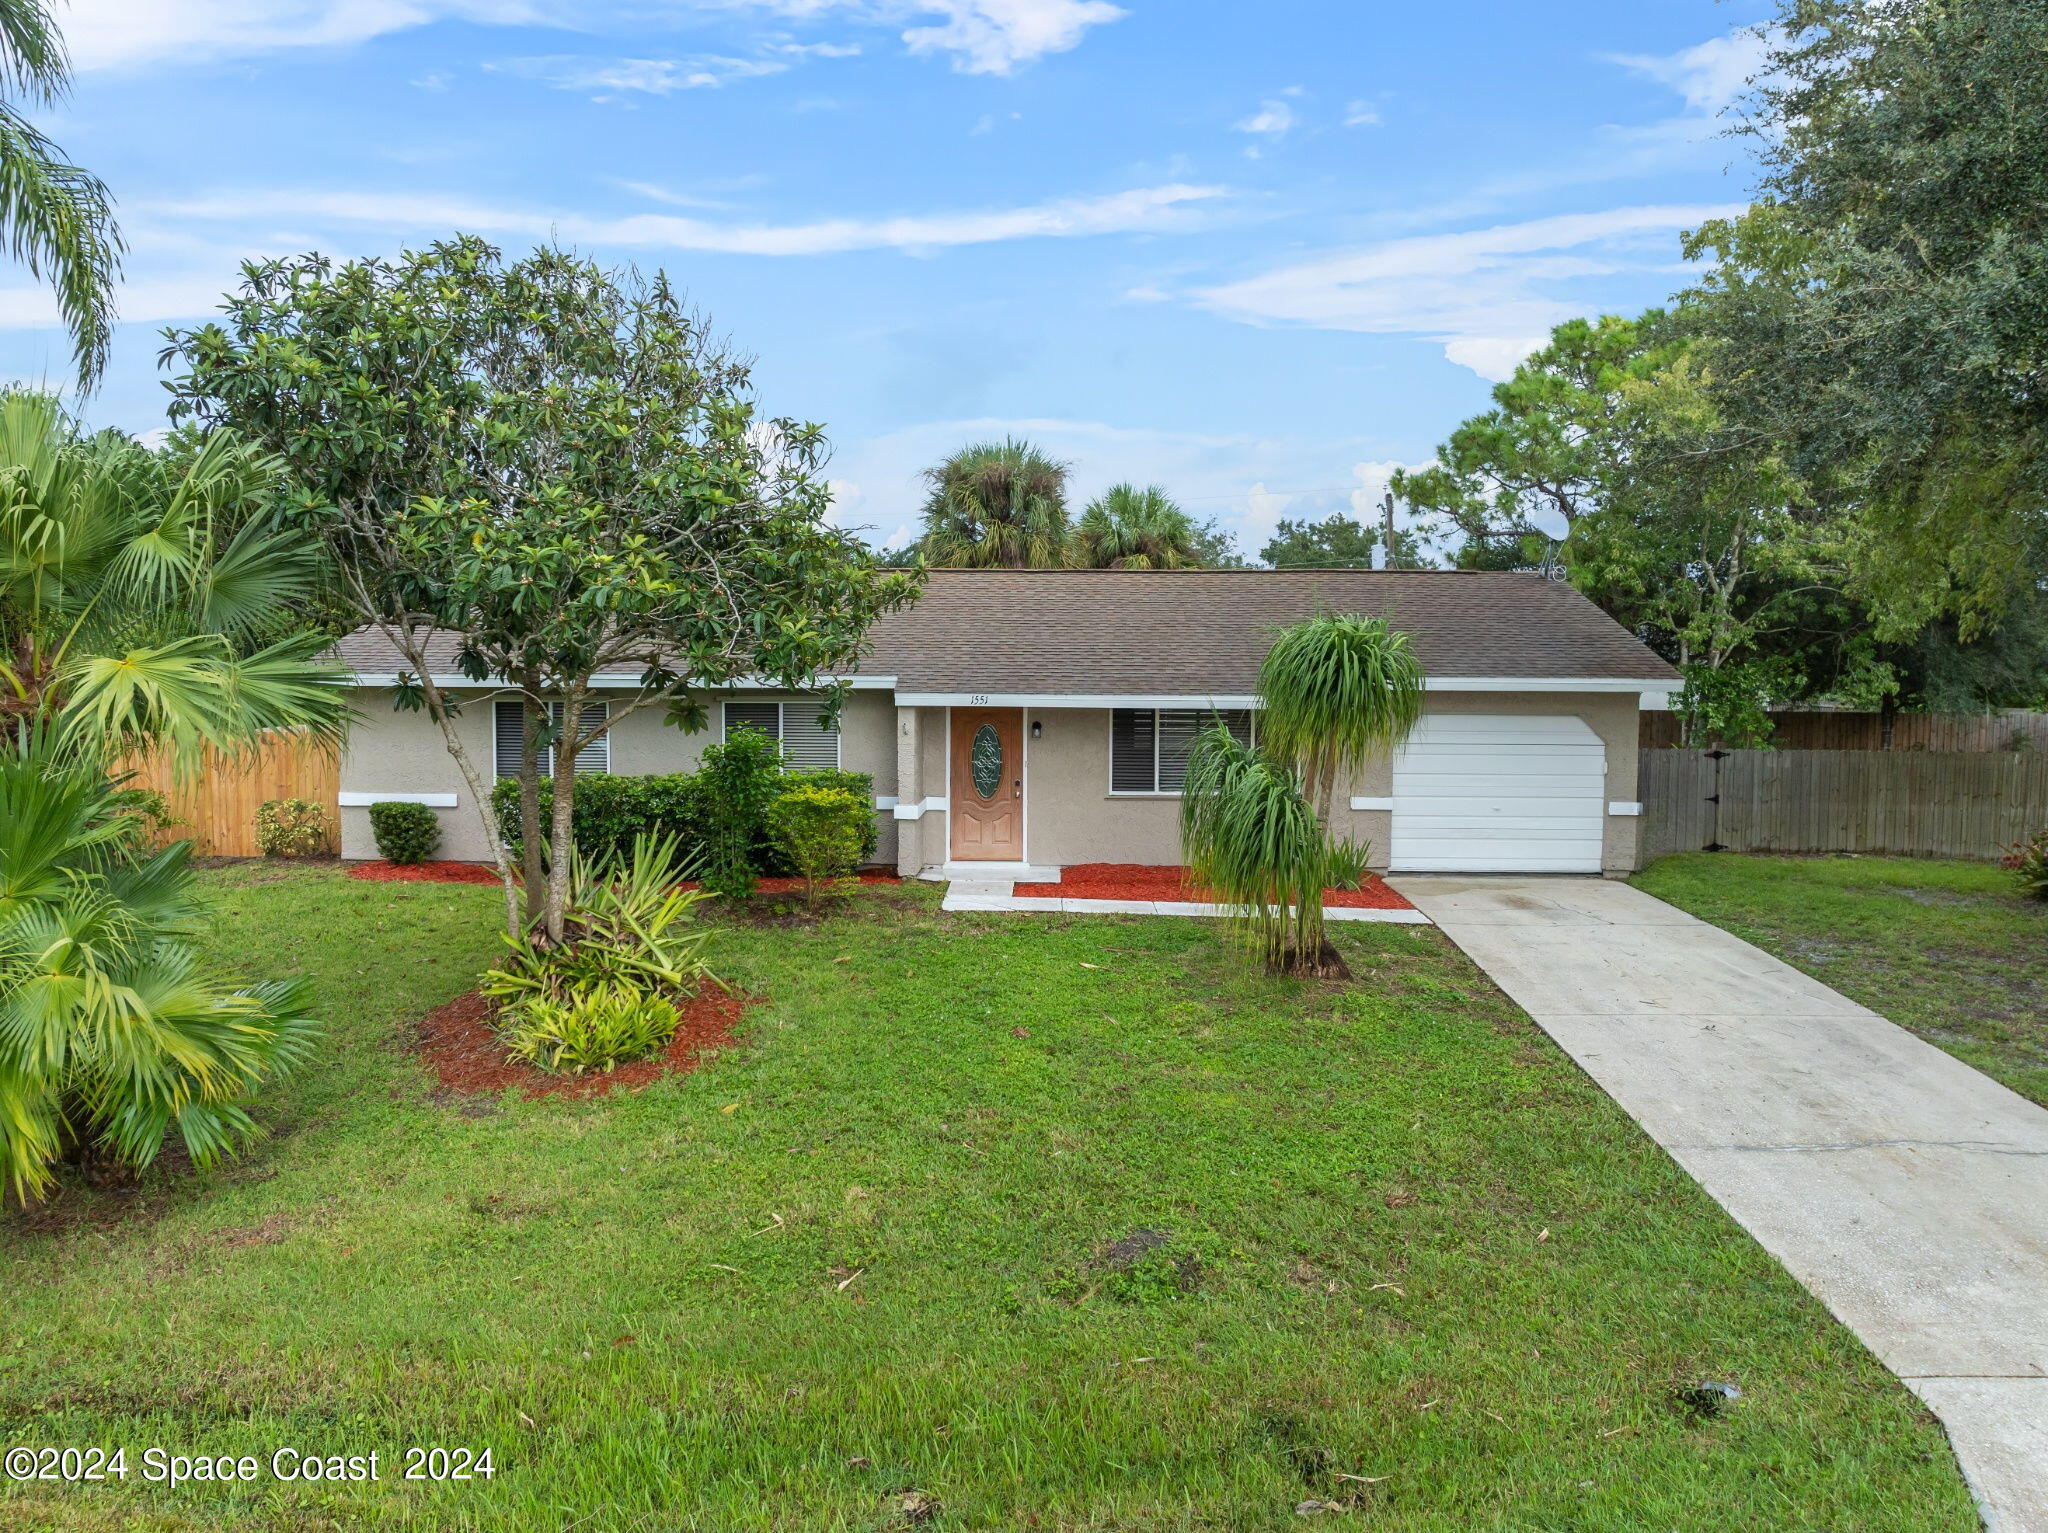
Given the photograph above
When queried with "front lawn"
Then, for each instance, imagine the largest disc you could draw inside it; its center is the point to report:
(1950, 950)
(988, 1222)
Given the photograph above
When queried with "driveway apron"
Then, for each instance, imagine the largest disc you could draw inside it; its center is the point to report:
(1907, 1191)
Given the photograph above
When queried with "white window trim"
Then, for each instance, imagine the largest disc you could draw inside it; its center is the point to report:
(1116, 792)
(781, 725)
(602, 743)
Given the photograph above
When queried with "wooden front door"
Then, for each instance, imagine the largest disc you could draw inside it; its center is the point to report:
(988, 785)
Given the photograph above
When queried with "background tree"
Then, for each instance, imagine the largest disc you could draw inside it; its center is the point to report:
(996, 505)
(1884, 306)
(56, 219)
(558, 463)
(1128, 528)
(1338, 542)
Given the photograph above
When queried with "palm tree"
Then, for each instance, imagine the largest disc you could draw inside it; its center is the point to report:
(139, 596)
(56, 219)
(1126, 528)
(1333, 691)
(1249, 836)
(140, 592)
(997, 505)
(112, 1035)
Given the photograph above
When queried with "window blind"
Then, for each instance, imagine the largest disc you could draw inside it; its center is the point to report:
(806, 745)
(509, 717)
(1148, 747)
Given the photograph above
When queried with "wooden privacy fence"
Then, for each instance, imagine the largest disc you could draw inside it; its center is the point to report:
(218, 803)
(1913, 803)
(1837, 730)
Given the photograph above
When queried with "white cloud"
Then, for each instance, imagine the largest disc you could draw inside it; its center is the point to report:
(110, 33)
(996, 36)
(980, 36)
(1484, 293)
(1274, 119)
(1709, 75)
(1142, 209)
(1361, 114)
(608, 79)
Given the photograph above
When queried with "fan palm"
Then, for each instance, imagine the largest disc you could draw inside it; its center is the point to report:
(1333, 691)
(997, 505)
(111, 1034)
(56, 219)
(1127, 528)
(140, 592)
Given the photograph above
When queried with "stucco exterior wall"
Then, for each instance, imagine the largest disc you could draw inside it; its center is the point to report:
(392, 753)
(1072, 817)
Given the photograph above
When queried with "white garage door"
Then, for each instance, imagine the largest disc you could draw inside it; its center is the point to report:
(1487, 793)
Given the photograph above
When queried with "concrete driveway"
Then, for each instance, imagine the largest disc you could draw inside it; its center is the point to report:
(1907, 1191)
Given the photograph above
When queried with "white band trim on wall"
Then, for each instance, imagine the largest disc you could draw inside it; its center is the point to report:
(1372, 803)
(364, 800)
(920, 810)
(1624, 808)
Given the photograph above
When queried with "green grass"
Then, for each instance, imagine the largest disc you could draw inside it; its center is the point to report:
(1950, 950)
(642, 1305)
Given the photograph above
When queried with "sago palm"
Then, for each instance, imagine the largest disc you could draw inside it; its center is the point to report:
(1128, 528)
(112, 1035)
(1333, 691)
(141, 594)
(997, 505)
(56, 219)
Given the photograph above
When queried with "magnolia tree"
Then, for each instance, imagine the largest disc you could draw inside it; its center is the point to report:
(561, 465)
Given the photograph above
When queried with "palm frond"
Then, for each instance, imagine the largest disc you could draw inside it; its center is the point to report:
(58, 221)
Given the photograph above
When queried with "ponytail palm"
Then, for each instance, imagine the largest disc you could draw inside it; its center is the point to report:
(111, 1034)
(1334, 691)
(1249, 836)
(997, 505)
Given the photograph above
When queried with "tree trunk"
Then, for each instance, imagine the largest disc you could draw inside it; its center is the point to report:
(533, 865)
(562, 840)
(437, 705)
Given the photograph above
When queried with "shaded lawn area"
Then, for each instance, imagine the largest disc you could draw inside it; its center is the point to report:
(858, 1256)
(1949, 950)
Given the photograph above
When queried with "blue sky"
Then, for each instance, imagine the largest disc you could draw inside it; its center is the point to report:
(1259, 253)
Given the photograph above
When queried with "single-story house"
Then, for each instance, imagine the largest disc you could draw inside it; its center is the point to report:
(1035, 719)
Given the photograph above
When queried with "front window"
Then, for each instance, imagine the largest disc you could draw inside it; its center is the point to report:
(1148, 747)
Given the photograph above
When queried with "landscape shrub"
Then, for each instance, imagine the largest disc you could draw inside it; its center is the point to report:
(740, 779)
(634, 938)
(1349, 863)
(295, 827)
(612, 812)
(406, 833)
(594, 1029)
(2028, 861)
(819, 830)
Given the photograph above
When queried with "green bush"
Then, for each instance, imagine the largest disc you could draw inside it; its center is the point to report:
(2028, 860)
(1350, 863)
(612, 812)
(820, 831)
(632, 927)
(740, 779)
(594, 1029)
(406, 833)
(294, 827)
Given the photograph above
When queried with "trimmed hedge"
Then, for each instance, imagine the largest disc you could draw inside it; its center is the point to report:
(406, 833)
(611, 811)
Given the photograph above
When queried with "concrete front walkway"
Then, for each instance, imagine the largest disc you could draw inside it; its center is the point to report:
(1907, 1191)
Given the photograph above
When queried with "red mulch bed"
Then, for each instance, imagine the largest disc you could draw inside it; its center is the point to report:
(1133, 881)
(425, 872)
(460, 1047)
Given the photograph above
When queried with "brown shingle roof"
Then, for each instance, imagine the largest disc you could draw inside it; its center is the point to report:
(1201, 633)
